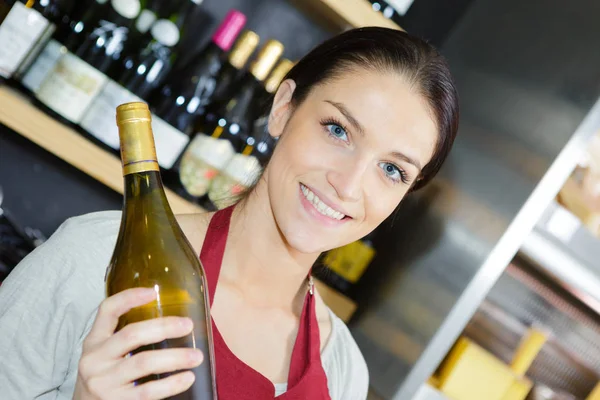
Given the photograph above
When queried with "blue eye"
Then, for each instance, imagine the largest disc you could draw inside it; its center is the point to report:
(337, 131)
(392, 172)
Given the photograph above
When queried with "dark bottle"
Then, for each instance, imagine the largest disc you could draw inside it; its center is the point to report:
(140, 35)
(143, 72)
(236, 61)
(78, 77)
(185, 94)
(25, 29)
(32, 75)
(343, 267)
(152, 251)
(223, 131)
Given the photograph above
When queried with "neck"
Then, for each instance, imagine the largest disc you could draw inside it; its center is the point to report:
(262, 265)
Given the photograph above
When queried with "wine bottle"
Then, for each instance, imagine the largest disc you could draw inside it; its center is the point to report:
(345, 265)
(142, 73)
(185, 95)
(78, 77)
(32, 76)
(232, 69)
(223, 131)
(24, 29)
(152, 251)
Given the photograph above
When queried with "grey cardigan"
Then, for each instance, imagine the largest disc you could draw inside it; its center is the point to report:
(48, 303)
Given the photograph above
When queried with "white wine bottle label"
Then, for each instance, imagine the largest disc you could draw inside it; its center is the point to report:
(99, 119)
(202, 161)
(19, 32)
(42, 66)
(70, 88)
(240, 174)
(165, 32)
(401, 6)
(144, 21)
(170, 142)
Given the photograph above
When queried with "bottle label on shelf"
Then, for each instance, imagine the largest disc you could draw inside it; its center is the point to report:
(145, 20)
(70, 88)
(99, 119)
(350, 261)
(401, 6)
(19, 32)
(202, 161)
(240, 174)
(43, 64)
(170, 142)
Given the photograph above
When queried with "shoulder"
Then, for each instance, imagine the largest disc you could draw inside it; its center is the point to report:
(344, 364)
(47, 304)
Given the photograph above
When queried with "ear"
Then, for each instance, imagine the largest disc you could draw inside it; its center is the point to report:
(281, 110)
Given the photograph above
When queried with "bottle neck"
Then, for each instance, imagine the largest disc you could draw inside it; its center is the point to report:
(144, 195)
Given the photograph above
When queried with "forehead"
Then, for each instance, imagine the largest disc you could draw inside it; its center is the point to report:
(392, 111)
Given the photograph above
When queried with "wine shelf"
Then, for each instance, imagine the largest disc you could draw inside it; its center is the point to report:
(20, 115)
(347, 13)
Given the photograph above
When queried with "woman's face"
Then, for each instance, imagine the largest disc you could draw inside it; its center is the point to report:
(346, 157)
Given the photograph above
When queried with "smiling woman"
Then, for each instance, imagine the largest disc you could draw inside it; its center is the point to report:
(362, 120)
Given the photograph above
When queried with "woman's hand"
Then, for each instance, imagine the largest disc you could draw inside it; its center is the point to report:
(105, 372)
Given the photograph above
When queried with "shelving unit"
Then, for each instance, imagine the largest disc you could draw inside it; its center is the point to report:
(347, 13)
(20, 115)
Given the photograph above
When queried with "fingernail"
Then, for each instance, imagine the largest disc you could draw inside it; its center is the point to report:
(188, 377)
(186, 323)
(196, 356)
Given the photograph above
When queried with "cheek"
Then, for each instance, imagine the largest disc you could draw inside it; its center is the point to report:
(379, 205)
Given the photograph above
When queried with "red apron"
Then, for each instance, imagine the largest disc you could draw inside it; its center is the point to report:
(235, 379)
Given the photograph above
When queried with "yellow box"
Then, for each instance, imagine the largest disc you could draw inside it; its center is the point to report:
(471, 373)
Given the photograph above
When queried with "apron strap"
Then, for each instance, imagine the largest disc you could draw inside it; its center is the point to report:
(213, 248)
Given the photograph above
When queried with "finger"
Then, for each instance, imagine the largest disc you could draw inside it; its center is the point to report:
(139, 334)
(157, 362)
(163, 388)
(113, 307)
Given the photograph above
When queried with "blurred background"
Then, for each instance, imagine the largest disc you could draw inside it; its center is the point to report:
(486, 285)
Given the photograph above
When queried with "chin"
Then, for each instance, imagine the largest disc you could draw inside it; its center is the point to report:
(304, 240)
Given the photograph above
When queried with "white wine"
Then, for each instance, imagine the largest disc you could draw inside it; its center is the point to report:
(152, 251)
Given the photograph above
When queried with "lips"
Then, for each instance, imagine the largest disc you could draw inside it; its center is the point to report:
(320, 206)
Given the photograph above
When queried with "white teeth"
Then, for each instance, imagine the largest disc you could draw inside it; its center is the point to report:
(319, 205)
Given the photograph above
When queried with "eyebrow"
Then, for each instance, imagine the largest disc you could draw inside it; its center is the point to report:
(406, 158)
(346, 113)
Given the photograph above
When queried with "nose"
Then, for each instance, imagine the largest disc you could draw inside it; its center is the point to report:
(348, 179)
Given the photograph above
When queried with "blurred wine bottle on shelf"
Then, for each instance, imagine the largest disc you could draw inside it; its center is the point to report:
(152, 11)
(145, 70)
(221, 132)
(185, 94)
(233, 68)
(31, 76)
(242, 171)
(78, 77)
(24, 29)
(343, 267)
(236, 118)
(142, 72)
